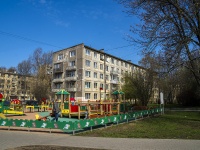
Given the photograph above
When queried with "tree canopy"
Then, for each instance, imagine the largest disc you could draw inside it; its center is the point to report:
(171, 27)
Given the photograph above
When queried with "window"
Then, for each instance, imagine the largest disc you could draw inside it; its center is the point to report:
(101, 57)
(107, 68)
(112, 60)
(95, 75)
(58, 75)
(70, 85)
(72, 53)
(101, 76)
(107, 59)
(95, 95)
(95, 65)
(101, 86)
(87, 52)
(87, 63)
(95, 55)
(87, 85)
(87, 95)
(117, 62)
(56, 66)
(70, 73)
(72, 63)
(106, 86)
(122, 63)
(60, 56)
(107, 77)
(101, 66)
(95, 85)
(87, 73)
(126, 65)
(58, 85)
(112, 69)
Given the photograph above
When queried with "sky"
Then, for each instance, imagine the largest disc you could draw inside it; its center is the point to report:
(52, 25)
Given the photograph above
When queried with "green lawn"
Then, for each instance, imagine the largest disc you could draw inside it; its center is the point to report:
(171, 125)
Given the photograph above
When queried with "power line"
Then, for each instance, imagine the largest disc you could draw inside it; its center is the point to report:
(120, 47)
(45, 43)
(27, 39)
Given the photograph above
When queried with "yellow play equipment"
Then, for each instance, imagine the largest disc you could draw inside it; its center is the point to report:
(2, 116)
(14, 107)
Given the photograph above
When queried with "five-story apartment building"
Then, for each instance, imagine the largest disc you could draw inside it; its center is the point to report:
(87, 73)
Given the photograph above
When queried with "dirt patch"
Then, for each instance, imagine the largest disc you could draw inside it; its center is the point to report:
(51, 147)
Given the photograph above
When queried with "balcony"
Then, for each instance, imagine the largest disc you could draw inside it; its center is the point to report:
(57, 70)
(71, 78)
(114, 72)
(71, 89)
(71, 68)
(114, 81)
(58, 80)
(55, 89)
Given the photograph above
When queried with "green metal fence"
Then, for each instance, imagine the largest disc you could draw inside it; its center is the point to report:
(80, 124)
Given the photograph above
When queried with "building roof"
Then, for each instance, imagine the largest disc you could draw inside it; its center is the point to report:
(102, 52)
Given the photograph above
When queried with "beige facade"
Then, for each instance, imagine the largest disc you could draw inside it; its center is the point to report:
(83, 71)
(13, 85)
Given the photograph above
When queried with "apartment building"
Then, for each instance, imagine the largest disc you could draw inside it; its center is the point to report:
(13, 85)
(87, 73)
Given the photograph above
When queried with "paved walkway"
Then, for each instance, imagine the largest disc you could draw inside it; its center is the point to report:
(11, 139)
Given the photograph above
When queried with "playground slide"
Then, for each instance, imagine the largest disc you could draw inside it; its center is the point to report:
(2, 116)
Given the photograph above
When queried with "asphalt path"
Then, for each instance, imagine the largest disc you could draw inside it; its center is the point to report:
(12, 139)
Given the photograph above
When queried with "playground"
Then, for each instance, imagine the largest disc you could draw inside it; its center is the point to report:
(74, 115)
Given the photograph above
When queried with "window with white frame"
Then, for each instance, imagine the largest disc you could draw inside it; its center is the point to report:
(101, 76)
(58, 75)
(95, 65)
(112, 69)
(70, 85)
(95, 84)
(95, 55)
(72, 53)
(56, 66)
(126, 65)
(101, 86)
(87, 52)
(87, 63)
(112, 60)
(70, 73)
(107, 86)
(58, 85)
(72, 63)
(117, 63)
(87, 85)
(95, 75)
(107, 59)
(101, 66)
(101, 57)
(60, 56)
(95, 95)
(87, 95)
(107, 77)
(87, 73)
(107, 68)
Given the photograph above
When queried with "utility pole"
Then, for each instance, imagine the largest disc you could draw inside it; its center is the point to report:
(104, 76)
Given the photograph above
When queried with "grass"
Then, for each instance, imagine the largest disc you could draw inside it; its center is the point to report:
(171, 125)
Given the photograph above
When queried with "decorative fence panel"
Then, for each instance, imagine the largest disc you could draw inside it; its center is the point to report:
(81, 124)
